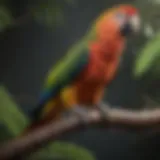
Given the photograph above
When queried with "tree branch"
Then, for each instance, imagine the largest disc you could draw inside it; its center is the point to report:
(130, 120)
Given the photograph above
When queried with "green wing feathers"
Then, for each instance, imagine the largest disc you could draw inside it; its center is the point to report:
(63, 74)
(68, 67)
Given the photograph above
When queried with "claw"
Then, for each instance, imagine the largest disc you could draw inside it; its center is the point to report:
(102, 108)
(82, 113)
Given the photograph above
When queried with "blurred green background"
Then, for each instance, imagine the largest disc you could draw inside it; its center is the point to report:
(35, 34)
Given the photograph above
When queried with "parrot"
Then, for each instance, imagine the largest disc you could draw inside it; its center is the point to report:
(78, 81)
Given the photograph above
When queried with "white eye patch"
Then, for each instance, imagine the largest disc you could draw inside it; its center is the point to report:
(121, 18)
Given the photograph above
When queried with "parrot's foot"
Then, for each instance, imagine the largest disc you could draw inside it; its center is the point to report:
(82, 113)
(102, 107)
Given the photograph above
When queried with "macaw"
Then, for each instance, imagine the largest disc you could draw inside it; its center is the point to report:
(79, 80)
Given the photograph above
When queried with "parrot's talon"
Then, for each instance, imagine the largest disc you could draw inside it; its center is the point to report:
(102, 108)
(82, 113)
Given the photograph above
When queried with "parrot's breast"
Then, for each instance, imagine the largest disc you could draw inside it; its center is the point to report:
(99, 73)
(88, 88)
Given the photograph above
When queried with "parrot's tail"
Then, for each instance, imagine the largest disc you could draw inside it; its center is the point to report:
(52, 112)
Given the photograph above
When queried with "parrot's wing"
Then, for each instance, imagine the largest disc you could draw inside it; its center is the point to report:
(63, 74)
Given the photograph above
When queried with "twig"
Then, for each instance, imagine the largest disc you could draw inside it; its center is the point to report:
(130, 120)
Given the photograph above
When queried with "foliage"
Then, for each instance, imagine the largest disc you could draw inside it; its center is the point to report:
(64, 151)
(10, 114)
(12, 123)
(6, 18)
(149, 55)
(146, 67)
(50, 12)
(149, 58)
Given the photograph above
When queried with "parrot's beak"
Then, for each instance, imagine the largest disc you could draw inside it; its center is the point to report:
(132, 26)
(135, 24)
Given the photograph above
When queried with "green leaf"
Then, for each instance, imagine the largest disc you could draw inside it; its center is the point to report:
(148, 56)
(63, 151)
(155, 68)
(70, 151)
(50, 12)
(10, 114)
(6, 18)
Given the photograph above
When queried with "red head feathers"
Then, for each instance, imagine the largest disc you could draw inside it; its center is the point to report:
(129, 9)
